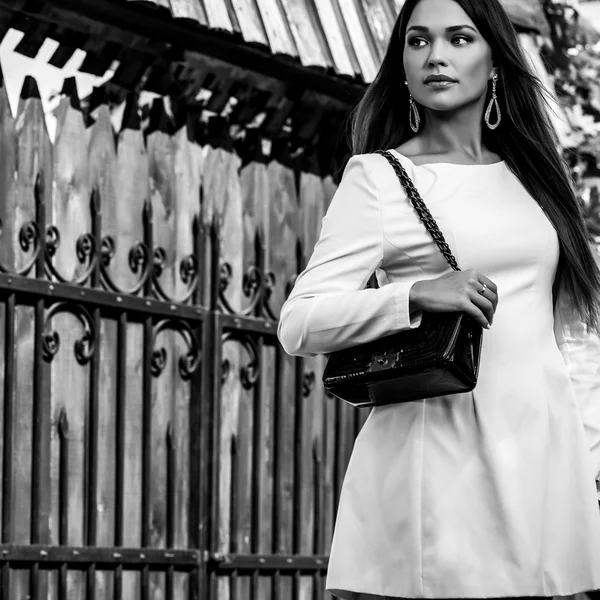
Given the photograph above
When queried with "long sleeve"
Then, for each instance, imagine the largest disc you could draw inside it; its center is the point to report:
(581, 353)
(329, 307)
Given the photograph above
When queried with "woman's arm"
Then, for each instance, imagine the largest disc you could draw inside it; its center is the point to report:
(581, 353)
(329, 309)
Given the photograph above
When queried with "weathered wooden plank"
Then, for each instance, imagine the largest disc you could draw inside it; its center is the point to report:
(303, 22)
(249, 418)
(188, 164)
(277, 29)
(338, 40)
(283, 228)
(228, 211)
(162, 197)
(249, 21)
(34, 152)
(71, 195)
(281, 242)
(217, 15)
(102, 174)
(10, 256)
(379, 19)
(364, 46)
(188, 161)
(8, 249)
(132, 193)
(254, 183)
(70, 398)
(223, 200)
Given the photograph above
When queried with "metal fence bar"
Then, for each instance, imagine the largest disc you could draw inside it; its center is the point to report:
(9, 411)
(121, 392)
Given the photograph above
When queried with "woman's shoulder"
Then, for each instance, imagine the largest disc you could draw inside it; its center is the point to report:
(376, 169)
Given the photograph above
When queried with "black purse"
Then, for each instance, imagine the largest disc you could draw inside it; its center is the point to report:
(438, 358)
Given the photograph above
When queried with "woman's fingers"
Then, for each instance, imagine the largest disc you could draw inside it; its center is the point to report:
(485, 305)
(489, 283)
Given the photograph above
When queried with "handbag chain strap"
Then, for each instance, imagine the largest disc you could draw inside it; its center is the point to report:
(421, 208)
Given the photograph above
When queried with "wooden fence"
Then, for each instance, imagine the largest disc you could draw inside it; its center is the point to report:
(157, 442)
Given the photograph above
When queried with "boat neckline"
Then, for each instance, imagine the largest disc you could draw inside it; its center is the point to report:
(432, 164)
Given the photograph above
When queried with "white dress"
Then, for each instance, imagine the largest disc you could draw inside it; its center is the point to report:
(478, 495)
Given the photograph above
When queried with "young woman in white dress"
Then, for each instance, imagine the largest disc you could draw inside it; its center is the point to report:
(492, 493)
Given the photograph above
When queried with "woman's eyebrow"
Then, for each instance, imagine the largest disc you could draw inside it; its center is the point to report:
(448, 29)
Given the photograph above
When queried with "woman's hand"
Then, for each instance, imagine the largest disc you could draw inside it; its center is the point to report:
(459, 291)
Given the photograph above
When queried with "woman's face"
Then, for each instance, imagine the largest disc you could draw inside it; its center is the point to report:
(442, 41)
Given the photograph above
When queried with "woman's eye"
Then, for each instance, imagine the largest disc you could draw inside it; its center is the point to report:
(461, 40)
(416, 42)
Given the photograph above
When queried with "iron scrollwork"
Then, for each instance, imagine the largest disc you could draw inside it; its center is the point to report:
(187, 363)
(189, 273)
(250, 372)
(84, 347)
(85, 250)
(29, 241)
(252, 288)
(138, 260)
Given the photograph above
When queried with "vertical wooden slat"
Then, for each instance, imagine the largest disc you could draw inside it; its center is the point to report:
(8, 248)
(127, 223)
(282, 262)
(188, 160)
(162, 197)
(71, 215)
(222, 196)
(10, 255)
(34, 153)
(8, 315)
(254, 183)
(71, 194)
(31, 491)
(102, 178)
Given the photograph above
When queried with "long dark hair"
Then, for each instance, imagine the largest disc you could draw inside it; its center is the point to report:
(525, 139)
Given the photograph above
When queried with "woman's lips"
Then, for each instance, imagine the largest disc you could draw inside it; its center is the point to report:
(440, 84)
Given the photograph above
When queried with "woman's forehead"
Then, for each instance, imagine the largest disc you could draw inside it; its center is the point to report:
(439, 14)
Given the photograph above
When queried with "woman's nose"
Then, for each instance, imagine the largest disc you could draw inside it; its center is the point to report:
(436, 56)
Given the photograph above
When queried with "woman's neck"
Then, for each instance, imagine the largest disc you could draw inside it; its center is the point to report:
(453, 134)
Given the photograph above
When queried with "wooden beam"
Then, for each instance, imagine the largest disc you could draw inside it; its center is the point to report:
(151, 26)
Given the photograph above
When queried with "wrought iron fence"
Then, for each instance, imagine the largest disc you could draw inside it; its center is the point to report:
(157, 441)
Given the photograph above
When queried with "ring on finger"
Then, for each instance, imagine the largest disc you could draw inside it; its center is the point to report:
(483, 289)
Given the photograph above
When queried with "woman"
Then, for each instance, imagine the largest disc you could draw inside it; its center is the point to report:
(491, 493)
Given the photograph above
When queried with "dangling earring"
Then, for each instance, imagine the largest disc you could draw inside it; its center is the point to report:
(413, 114)
(493, 101)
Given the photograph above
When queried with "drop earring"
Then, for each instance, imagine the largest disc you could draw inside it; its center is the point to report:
(414, 118)
(493, 102)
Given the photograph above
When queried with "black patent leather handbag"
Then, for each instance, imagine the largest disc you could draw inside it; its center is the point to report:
(438, 358)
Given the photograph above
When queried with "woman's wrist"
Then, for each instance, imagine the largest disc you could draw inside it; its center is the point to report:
(414, 297)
